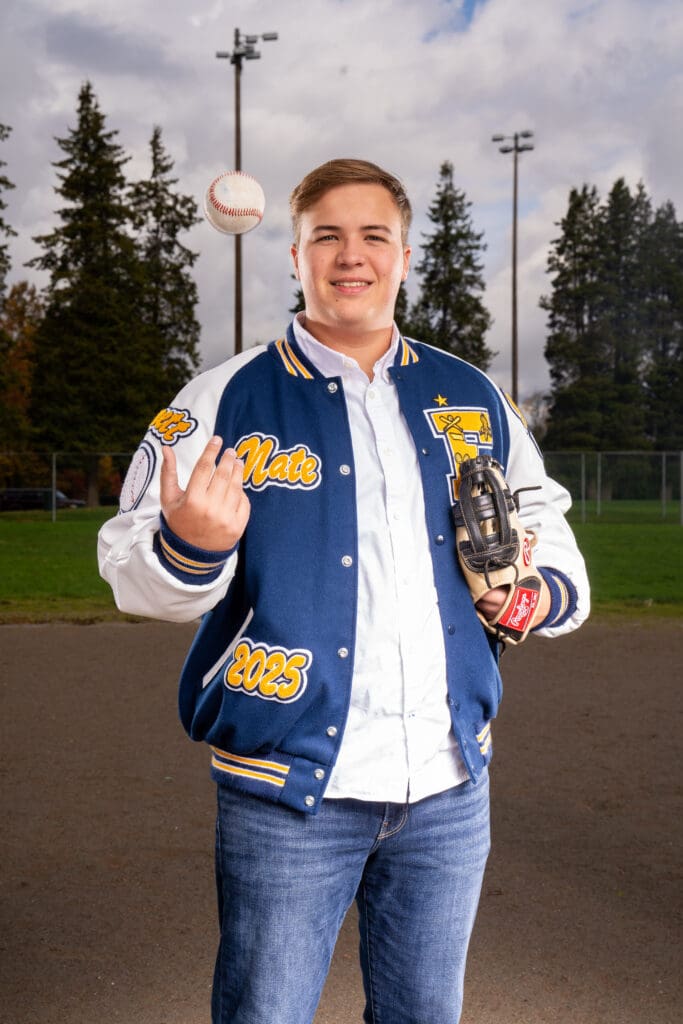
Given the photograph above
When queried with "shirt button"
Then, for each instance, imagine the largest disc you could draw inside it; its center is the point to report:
(332, 730)
(343, 652)
(439, 538)
(347, 561)
(319, 774)
(332, 387)
(309, 801)
(344, 469)
(372, 394)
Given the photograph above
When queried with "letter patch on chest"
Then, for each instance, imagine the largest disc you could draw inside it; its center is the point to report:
(267, 465)
(465, 432)
(271, 673)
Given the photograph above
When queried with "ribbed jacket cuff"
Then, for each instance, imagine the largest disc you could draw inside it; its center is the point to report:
(563, 598)
(185, 561)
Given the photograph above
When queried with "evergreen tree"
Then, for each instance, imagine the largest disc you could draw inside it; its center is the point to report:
(663, 315)
(622, 303)
(574, 347)
(95, 385)
(5, 229)
(449, 312)
(169, 299)
(612, 322)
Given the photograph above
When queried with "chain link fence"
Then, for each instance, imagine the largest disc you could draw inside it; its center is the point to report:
(633, 486)
(54, 480)
(624, 486)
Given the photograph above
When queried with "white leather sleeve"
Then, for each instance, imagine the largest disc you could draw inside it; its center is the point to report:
(544, 511)
(141, 583)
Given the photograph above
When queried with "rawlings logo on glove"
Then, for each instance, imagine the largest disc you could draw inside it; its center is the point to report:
(494, 549)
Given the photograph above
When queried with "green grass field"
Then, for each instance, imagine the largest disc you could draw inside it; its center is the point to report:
(634, 512)
(48, 571)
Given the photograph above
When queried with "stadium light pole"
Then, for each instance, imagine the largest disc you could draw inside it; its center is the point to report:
(516, 148)
(244, 49)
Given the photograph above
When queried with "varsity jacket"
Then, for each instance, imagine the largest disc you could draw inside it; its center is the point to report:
(267, 680)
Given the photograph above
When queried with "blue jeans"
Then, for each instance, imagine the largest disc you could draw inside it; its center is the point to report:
(285, 881)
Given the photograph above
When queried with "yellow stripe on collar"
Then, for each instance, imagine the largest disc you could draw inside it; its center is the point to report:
(408, 354)
(297, 362)
(279, 345)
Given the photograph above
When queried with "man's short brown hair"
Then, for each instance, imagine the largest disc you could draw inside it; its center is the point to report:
(347, 172)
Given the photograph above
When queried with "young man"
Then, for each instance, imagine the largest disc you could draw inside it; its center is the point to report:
(299, 498)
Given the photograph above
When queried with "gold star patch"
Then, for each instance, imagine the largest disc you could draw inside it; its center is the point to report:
(440, 400)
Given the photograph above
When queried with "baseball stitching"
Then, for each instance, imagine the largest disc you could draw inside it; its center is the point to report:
(233, 211)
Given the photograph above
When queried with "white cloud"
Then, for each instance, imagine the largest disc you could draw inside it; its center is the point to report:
(408, 85)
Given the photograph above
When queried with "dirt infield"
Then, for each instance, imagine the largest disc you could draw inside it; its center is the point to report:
(107, 877)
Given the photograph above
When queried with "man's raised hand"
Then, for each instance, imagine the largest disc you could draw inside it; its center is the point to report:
(212, 513)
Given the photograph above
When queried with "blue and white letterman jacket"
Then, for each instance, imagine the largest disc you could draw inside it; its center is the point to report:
(267, 680)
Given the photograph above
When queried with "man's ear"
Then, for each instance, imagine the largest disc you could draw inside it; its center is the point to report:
(295, 260)
(407, 252)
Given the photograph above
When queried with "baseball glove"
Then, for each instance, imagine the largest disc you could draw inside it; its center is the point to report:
(494, 549)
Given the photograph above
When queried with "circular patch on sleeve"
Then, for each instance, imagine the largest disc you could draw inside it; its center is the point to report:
(138, 477)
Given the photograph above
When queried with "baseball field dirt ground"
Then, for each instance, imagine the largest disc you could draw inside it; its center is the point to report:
(107, 877)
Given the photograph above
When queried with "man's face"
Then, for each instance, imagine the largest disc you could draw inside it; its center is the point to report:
(350, 259)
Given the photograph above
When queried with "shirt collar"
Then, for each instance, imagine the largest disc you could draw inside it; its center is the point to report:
(331, 363)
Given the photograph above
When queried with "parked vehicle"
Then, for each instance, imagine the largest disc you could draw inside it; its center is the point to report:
(14, 499)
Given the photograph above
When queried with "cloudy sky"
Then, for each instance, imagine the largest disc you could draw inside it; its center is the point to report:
(406, 84)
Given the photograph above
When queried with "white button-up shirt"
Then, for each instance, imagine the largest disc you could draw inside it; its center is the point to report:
(398, 742)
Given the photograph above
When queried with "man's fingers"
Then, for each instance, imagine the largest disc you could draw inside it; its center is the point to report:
(492, 601)
(200, 478)
(212, 512)
(229, 474)
(236, 497)
(205, 465)
(168, 479)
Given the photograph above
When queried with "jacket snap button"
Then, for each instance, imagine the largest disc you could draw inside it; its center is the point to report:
(347, 561)
(309, 801)
(439, 538)
(319, 773)
(343, 652)
(344, 469)
(331, 387)
(332, 730)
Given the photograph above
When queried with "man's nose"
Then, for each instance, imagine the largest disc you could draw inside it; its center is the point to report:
(349, 253)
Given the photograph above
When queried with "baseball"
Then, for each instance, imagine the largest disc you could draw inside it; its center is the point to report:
(234, 203)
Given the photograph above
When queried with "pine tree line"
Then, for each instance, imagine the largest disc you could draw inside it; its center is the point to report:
(615, 324)
(114, 332)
